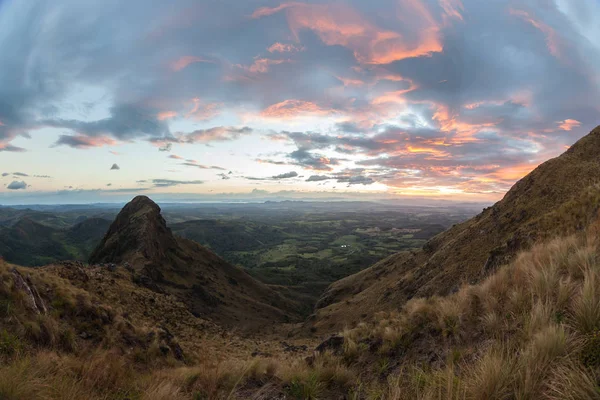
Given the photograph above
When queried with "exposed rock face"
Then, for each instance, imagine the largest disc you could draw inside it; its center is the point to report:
(559, 197)
(32, 297)
(139, 237)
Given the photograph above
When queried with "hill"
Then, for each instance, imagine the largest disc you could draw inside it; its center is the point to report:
(29, 242)
(560, 196)
(212, 288)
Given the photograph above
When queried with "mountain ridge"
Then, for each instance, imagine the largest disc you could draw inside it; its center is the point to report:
(212, 288)
(557, 197)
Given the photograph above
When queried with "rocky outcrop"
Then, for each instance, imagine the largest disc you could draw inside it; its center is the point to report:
(33, 300)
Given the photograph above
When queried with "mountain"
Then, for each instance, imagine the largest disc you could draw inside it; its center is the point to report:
(560, 196)
(211, 287)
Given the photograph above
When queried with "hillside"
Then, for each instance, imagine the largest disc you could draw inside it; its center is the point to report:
(29, 242)
(528, 331)
(559, 197)
(212, 288)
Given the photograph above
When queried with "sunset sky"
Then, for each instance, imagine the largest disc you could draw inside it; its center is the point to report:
(102, 100)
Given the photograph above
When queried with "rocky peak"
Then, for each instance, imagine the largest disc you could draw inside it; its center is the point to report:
(138, 235)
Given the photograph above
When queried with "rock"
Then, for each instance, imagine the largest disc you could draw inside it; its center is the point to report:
(34, 301)
(290, 348)
(335, 343)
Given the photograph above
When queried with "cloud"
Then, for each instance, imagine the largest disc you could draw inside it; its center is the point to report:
(216, 134)
(83, 142)
(166, 147)
(284, 48)
(432, 94)
(19, 174)
(17, 185)
(115, 167)
(294, 108)
(109, 184)
(175, 157)
(126, 122)
(318, 178)
(43, 176)
(184, 61)
(170, 182)
(11, 148)
(568, 124)
(356, 180)
(5, 174)
(287, 175)
(194, 163)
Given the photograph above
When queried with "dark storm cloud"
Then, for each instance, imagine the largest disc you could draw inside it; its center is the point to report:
(115, 167)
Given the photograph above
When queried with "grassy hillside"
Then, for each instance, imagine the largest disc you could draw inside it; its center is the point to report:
(529, 331)
(559, 197)
(31, 243)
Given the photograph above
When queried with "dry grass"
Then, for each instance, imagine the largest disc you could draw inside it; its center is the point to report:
(530, 331)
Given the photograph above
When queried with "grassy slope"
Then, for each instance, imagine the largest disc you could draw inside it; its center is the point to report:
(529, 331)
(559, 197)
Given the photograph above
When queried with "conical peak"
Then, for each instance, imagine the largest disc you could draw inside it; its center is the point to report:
(140, 203)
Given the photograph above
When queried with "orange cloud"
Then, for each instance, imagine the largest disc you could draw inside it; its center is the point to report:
(463, 131)
(338, 24)
(552, 38)
(184, 61)
(511, 173)
(164, 115)
(568, 124)
(429, 150)
(294, 108)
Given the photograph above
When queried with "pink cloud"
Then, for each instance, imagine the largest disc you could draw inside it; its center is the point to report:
(164, 115)
(184, 61)
(203, 111)
(568, 124)
(294, 108)
(552, 38)
(284, 48)
(338, 24)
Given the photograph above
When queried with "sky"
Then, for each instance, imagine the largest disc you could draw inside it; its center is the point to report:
(449, 99)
